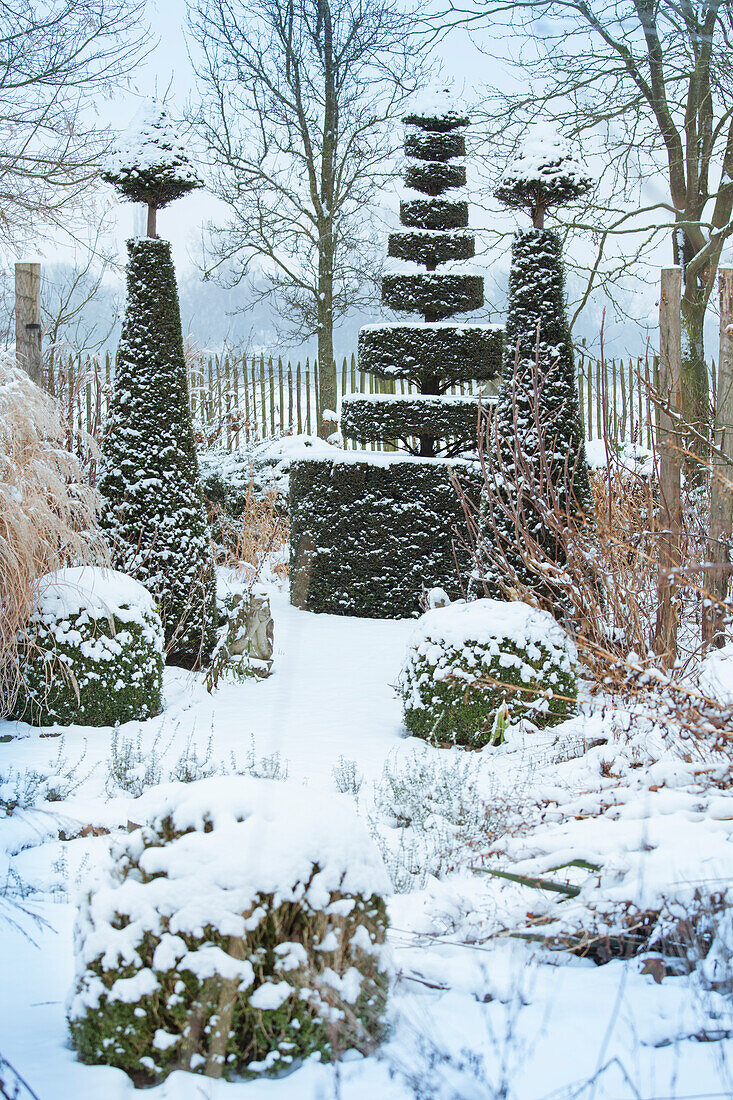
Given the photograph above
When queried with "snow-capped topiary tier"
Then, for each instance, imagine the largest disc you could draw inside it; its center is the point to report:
(473, 663)
(230, 932)
(93, 651)
(368, 533)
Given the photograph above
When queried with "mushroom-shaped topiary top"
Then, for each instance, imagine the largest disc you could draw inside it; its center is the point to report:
(545, 172)
(436, 110)
(150, 164)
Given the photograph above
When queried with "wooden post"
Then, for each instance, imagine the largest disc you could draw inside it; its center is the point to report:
(721, 489)
(668, 450)
(28, 351)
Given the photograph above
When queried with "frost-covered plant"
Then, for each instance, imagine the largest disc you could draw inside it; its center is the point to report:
(21, 790)
(93, 651)
(347, 778)
(429, 811)
(235, 933)
(48, 514)
(471, 667)
(131, 767)
(154, 512)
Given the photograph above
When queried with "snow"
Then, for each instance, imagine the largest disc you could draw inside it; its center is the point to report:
(632, 457)
(97, 591)
(420, 326)
(486, 621)
(151, 142)
(474, 1014)
(545, 156)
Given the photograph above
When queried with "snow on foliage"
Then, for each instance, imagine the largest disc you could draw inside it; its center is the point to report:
(93, 650)
(545, 171)
(241, 903)
(150, 163)
(471, 664)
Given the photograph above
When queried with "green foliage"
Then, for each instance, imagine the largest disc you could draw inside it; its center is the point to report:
(454, 421)
(366, 535)
(434, 213)
(437, 296)
(154, 513)
(444, 354)
(433, 178)
(154, 168)
(426, 247)
(91, 671)
(538, 416)
(149, 1001)
(465, 694)
(434, 145)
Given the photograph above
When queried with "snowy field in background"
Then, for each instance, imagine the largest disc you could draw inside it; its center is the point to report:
(473, 1017)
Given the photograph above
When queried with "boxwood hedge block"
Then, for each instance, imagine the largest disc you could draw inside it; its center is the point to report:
(450, 353)
(430, 248)
(434, 177)
(469, 661)
(435, 213)
(436, 296)
(366, 533)
(434, 145)
(386, 416)
(235, 933)
(93, 651)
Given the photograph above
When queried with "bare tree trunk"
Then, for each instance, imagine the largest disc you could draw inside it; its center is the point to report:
(152, 212)
(28, 351)
(695, 384)
(721, 489)
(326, 361)
(668, 446)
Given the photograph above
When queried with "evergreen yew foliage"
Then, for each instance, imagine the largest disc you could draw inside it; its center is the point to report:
(154, 512)
(537, 427)
(151, 165)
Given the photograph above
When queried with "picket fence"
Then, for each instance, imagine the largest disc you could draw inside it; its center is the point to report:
(238, 400)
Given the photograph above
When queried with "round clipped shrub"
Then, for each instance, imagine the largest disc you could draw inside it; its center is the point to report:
(437, 296)
(470, 664)
(453, 419)
(453, 353)
(93, 651)
(425, 246)
(238, 931)
(434, 213)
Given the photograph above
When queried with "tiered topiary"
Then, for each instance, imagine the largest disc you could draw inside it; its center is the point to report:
(368, 531)
(432, 356)
(93, 651)
(240, 930)
(539, 449)
(473, 667)
(154, 510)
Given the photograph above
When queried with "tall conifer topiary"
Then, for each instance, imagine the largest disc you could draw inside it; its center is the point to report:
(539, 449)
(154, 511)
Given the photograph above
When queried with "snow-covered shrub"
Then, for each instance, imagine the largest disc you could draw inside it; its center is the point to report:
(240, 930)
(154, 512)
(49, 514)
(93, 651)
(472, 666)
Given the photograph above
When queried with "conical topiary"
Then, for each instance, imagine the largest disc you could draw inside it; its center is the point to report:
(434, 355)
(538, 436)
(154, 511)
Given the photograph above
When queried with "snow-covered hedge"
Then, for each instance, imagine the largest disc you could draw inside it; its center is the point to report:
(366, 532)
(434, 145)
(434, 177)
(94, 648)
(468, 660)
(429, 246)
(434, 213)
(450, 353)
(434, 294)
(388, 416)
(240, 930)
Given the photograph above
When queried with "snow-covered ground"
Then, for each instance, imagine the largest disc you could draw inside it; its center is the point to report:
(475, 1014)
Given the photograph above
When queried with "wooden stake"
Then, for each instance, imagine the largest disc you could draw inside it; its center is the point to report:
(721, 489)
(28, 351)
(670, 512)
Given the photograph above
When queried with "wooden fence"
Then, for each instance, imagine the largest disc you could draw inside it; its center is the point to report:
(241, 399)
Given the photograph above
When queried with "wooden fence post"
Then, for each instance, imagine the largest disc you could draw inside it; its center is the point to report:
(668, 451)
(28, 352)
(721, 489)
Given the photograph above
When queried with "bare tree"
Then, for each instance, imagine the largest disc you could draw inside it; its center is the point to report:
(297, 99)
(55, 57)
(654, 80)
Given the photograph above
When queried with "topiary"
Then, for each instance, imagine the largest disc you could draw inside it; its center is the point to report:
(150, 164)
(93, 651)
(471, 667)
(153, 507)
(239, 931)
(538, 442)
